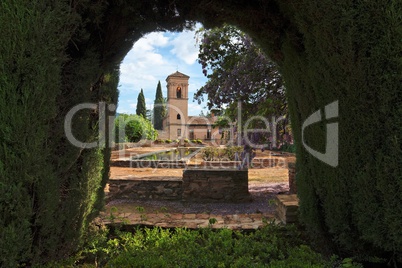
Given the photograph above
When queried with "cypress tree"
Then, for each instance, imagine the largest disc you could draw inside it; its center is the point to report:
(159, 108)
(141, 107)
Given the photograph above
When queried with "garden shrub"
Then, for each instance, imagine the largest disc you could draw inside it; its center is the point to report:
(290, 148)
(133, 128)
(230, 151)
(215, 153)
(209, 153)
(273, 245)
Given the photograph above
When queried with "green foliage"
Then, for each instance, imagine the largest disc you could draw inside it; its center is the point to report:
(54, 56)
(159, 108)
(271, 246)
(230, 151)
(133, 128)
(209, 153)
(168, 141)
(236, 62)
(49, 189)
(215, 153)
(141, 109)
(290, 148)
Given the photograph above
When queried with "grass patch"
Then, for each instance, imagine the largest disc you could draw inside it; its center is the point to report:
(268, 175)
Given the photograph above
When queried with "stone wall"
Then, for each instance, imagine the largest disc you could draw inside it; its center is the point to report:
(292, 178)
(135, 163)
(167, 189)
(229, 185)
(199, 183)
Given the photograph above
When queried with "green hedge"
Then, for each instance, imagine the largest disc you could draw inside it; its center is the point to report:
(349, 53)
(30, 77)
(49, 189)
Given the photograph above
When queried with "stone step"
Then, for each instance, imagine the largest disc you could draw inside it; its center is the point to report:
(287, 208)
(191, 221)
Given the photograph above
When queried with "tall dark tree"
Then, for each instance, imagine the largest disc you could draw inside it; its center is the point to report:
(141, 106)
(159, 108)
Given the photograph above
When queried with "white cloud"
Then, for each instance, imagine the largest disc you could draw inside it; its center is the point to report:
(144, 63)
(184, 47)
(152, 59)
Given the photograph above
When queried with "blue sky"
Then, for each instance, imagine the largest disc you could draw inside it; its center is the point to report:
(152, 59)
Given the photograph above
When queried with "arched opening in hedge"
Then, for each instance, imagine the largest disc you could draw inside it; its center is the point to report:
(60, 54)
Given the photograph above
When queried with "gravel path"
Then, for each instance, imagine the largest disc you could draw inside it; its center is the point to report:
(261, 193)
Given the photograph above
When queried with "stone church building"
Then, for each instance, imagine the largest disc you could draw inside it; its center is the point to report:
(178, 124)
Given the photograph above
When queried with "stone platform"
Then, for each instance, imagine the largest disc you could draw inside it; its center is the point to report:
(191, 221)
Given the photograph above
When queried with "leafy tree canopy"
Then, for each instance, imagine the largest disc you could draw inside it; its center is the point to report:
(133, 128)
(243, 80)
(238, 70)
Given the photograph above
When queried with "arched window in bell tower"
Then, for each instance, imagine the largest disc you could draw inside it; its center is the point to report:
(178, 92)
(178, 116)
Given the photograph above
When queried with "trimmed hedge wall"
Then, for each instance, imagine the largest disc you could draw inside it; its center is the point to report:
(49, 189)
(350, 53)
(30, 79)
(56, 55)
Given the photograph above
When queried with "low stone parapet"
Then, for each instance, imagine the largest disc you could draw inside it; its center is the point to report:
(210, 185)
(136, 163)
(167, 189)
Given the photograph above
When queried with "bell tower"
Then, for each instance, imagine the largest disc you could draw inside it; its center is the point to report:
(177, 105)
